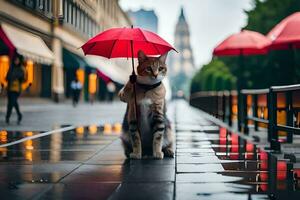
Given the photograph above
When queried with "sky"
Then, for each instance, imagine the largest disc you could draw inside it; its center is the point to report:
(210, 21)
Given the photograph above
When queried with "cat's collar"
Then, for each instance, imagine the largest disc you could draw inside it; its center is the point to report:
(148, 87)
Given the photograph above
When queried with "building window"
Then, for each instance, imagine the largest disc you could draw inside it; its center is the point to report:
(74, 15)
(66, 16)
(70, 13)
(29, 3)
(81, 22)
(78, 18)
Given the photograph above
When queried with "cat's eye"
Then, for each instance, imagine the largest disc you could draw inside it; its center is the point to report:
(160, 68)
(148, 69)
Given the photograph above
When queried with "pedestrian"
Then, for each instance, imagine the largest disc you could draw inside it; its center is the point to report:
(76, 87)
(15, 77)
(111, 88)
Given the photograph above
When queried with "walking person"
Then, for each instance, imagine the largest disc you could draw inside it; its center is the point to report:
(111, 88)
(15, 77)
(76, 87)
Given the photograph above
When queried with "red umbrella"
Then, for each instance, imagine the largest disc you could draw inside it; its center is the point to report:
(243, 43)
(126, 42)
(286, 34)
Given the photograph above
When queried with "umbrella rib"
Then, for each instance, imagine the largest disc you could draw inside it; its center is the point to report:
(153, 44)
(90, 48)
(112, 47)
(143, 34)
(156, 48)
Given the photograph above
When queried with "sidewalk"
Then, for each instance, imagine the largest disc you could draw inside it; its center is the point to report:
(83, 164)
(44, 114)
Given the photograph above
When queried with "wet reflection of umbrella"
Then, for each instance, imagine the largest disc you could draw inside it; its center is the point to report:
(286, 35)
(243, 44)
(125, 43)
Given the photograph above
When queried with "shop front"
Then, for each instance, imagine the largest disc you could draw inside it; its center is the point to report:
(75, 66)
(38, 59)
(111, 77)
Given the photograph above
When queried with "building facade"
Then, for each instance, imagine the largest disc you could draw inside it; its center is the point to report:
(181, 64)
(50, 34)
(146, 19)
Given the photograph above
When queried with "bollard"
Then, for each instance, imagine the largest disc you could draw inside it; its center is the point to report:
(107, 129)
(93, 129)
(117, 128)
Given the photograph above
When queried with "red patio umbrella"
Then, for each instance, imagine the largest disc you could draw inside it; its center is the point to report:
(286, 34)
(126, 42)
(243, 44)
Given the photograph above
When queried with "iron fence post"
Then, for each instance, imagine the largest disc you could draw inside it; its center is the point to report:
(230, 109)
(245, 114)
(254, 110)
(290, 115)
(272, 115)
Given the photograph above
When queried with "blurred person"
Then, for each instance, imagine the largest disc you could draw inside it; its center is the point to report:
(76, 87)
(92, 98)
(15, 77)
(111, 88)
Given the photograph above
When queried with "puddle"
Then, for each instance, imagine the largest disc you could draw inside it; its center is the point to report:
(74, 145)
(210, 162)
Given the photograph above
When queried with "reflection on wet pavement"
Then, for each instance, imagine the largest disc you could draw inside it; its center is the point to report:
(88, 163)
(237, 168)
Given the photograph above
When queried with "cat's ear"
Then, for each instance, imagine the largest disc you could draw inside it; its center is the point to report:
(141, 56)
(163, 58)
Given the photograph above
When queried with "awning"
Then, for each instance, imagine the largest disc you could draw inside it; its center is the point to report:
(27, 44)
(109, 68)
(72, 60)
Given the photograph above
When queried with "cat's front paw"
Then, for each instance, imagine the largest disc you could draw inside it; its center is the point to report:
(169, 153)
(136, 156)
(158, 155)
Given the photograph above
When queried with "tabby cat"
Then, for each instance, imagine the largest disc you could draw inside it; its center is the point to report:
(150, 134)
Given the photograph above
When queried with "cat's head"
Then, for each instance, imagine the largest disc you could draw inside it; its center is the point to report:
(151, 69)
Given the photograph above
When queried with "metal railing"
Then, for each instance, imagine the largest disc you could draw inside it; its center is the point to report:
(222, 105)
(276, 108)
(283, 100)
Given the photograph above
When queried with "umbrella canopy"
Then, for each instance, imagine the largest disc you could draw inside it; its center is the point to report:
(116, 42)
(243, 43)
(286, 34)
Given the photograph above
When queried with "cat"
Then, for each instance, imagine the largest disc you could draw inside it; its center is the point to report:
(150, 134)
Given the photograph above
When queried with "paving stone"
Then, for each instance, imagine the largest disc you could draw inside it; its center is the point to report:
(205, 178)
(45, 173)
(149, 191)
(198, 190)
(96, 173)
(16, 191)
(188, 168)
(195, 150)
(97, 191)
(198, 159)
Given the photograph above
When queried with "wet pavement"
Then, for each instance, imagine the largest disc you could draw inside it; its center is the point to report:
(88, 163)
(41, 115)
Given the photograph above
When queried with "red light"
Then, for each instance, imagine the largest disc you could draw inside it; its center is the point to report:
(264, 187)
(223, 132)
(263, 176)
(263, 155)
(281, 170)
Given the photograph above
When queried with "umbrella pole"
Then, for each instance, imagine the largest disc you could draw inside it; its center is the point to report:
(134, 85)
(240, 85)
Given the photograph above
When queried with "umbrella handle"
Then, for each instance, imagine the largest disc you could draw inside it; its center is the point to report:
(133, 80)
